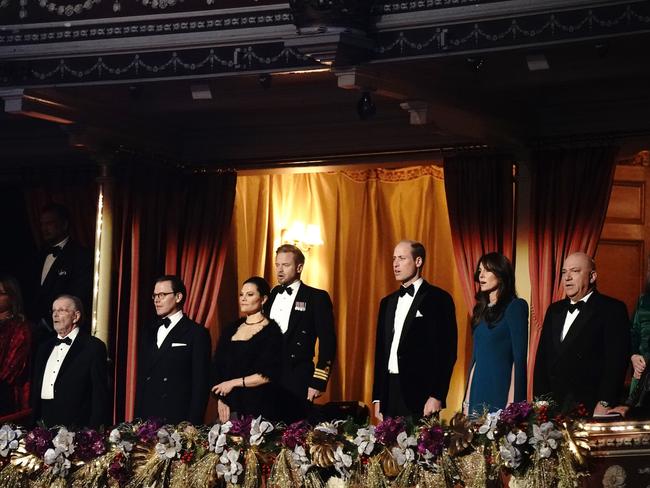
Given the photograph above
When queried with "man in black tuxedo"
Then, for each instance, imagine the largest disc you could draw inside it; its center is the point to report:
(70, 380)
(416, 342)
(65, 267)
(304, 314)
(584, 347)
(173, 360)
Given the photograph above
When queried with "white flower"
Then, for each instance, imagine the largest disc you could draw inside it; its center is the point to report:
(335, 482)
(328, 427)
(217, 437)
(365, 440)
(510, 454)
(404, 452)
(342, 462)
(545, 439)
(168, 446)
(115, 437)
(490, 424)
(58, 461)
(229, 466)
(64, 441)
(300, 458)
(518, 438)
(259, 428)
(8, 439)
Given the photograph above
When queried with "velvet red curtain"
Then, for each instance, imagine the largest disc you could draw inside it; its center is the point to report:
(166, 221)
(569, 198)
(479, 192)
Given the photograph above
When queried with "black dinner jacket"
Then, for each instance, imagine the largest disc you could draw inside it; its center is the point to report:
(81, 389)
(427, 349)
(590, 364)
(173, 381)
(71, 273)
(311, 318)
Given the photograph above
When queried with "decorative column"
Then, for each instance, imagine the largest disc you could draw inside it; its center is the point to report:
(103, 252)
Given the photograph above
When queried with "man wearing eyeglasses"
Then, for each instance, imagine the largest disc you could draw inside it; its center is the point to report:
(70, 379)
(173, 360)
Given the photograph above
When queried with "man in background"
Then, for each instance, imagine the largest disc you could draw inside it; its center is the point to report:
(65, 267)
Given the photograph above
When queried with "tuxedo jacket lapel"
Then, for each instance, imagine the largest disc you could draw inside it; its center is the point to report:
(557, 324)
(75, 348)
(389, 321)
(415, 305)
(57, 266)
(582, 320)
(174, 335)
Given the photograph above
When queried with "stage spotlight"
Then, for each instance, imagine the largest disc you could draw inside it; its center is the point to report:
(366, 108)
(265, 80)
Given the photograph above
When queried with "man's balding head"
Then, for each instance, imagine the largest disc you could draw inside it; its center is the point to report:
(578, 275)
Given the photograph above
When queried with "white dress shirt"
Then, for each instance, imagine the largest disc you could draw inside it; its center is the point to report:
(282, 306)
(571, 316)
(163, 332)
(403, 306)
(49, 259)
(53, 365)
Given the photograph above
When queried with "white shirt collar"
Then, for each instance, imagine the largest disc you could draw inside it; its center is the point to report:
(62, 243)
(72, 334)
(175, 318)
(584, 298)
(416, 285)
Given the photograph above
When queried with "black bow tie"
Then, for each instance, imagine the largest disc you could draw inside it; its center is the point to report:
(407, 289)
(166, 322)
(54, 250)
(65, 340)
(286, 288)
(572, 307)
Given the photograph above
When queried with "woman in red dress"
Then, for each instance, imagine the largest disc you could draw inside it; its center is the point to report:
(15, 346)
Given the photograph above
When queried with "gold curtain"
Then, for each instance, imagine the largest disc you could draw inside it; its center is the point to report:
(362, 214)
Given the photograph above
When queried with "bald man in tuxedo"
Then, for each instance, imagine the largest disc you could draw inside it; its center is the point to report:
(584, 347)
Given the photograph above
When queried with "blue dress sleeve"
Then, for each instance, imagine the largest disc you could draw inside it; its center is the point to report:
(516, 316)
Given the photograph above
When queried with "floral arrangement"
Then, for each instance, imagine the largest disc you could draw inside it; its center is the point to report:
(523, 441)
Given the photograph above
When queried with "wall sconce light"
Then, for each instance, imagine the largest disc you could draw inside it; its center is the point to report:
(302, 236)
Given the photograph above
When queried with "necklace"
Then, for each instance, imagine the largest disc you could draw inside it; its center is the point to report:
(255, 323)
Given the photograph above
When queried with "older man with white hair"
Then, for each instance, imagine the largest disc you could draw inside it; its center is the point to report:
(70, 380)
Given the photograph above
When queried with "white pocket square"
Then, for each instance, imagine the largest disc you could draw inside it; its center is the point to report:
(178, 344)
(418, 314)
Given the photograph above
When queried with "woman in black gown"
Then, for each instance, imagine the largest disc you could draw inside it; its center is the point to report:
(247, 360)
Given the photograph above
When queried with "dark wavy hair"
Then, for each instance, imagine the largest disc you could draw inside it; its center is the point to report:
(502, 268)
(261, 284)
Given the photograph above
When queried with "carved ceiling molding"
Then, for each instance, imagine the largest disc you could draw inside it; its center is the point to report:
(551, 27)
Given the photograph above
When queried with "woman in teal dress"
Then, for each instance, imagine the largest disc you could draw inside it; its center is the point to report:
(500, 335)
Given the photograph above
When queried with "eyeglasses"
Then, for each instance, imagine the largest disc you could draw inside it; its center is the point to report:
(161, 295)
